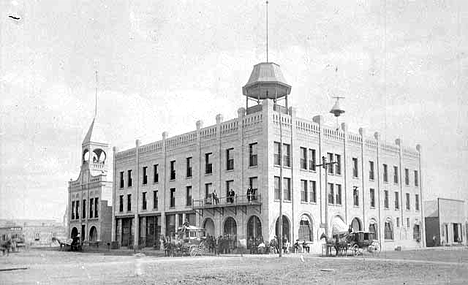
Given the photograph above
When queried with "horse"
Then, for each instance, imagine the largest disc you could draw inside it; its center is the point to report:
(340, 244)
(6, 246)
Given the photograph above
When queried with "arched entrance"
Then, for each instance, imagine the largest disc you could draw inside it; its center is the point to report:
(373, 228)
(230, 227)
(356, 225)
(254, 227)
(286, 228)
(208, 225)
(305, 229)
(93, 234)
(74, 232)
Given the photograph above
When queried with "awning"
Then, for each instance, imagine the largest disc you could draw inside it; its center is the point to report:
(338, 226)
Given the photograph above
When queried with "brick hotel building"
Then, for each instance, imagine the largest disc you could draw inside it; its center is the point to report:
(373, 186)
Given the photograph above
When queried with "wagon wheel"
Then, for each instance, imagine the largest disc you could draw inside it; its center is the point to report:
(375, 247)
(355, 250)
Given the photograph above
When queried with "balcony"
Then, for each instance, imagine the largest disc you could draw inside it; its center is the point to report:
(222, 204)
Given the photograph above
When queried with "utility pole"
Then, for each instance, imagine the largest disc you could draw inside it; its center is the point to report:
(325, 165)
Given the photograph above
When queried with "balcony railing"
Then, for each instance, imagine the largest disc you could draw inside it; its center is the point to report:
(237, 200)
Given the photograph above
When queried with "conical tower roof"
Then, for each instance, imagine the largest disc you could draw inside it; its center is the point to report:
(95, 133)
(266, 82)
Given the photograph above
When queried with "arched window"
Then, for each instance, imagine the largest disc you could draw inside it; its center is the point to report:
(230, 227)
(388, 229)
(305, 229)
(356, 225)
(286, 231)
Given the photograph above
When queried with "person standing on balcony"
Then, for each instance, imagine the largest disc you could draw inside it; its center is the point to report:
(215, 197)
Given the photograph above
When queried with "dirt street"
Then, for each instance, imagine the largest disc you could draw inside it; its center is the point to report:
(407, 267)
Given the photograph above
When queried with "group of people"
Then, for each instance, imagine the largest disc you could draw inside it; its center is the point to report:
(229, 198)
(257, 245)
(222, 245)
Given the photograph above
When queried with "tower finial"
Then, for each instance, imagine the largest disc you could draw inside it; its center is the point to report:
(267, 30)
(95, 96)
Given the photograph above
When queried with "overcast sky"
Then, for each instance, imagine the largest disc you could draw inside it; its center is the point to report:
(163, 65)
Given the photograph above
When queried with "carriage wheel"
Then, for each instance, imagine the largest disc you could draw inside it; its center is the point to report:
(355, 249)
(376, 247)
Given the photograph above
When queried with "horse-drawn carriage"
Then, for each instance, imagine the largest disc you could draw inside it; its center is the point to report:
(189, 240)
(356, 242)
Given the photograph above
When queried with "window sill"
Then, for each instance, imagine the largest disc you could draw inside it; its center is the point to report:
(230, 170)
(356, 207)
(172, 180)
(313, 203)
(156, 182)
(286, 201)
(188, 206)
(253, 166)
(313, 170)
(372, 208)
(303, 169)
(189, 177)
(209, 174)
(389, 240)
(356, 177)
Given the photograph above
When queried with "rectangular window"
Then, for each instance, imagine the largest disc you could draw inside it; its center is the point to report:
(229, 184)
(77, 209)
(277, 154)
(397, 222)
(406, 176)
(287, 189)
(122, 184)
(144, 201)
(397, 201)
(277, 187)
(395, 174)
(330, 160)
(155, 173)
(303, 158)
(129, 202)
(407, 222)
(304, 191)
(312, 160)
(331, 194)
(253, 183)
(188, 196)
(408, 202)
(416, 202)
(338, 164)
(372, 198)
(287, 155)
(121, 203)
(338, 194)
(208, 189)
(253, 154)
(385, 173)
(189, 166)
(96, 203)
(84, 209)
(416, 178)
(73, 210)
(356, 196)
(371, 170)
(173, 170)
(91, 206)
(145, 175)
(386, 199)
(155, 200)
(355, 167)
(208, 164)
(172, 202)
(129, 177)
(313, 191)
(229, 159)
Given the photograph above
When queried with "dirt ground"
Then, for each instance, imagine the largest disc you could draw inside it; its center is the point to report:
(431, 266)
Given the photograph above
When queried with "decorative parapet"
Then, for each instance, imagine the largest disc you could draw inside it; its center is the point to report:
(181, 140)
(285, 119)
(370, 143)
(354, 138)
(252, 120)
(208, 132)
(229, 127)
(307, 127)
(410, 152)
(333, 134)
(390, 148)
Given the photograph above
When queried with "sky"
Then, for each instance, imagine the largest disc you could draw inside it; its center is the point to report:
(401, 65)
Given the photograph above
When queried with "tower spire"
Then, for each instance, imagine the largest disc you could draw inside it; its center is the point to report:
(95, 96)
(266, 31)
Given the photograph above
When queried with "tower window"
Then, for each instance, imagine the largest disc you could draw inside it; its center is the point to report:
(189, 167)
(130, 182)
(122, 179)
(173, 170)
(253, 154)
(208, 164)
(155, 173)
(145, 174)
(229, 159)
(355, 167)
